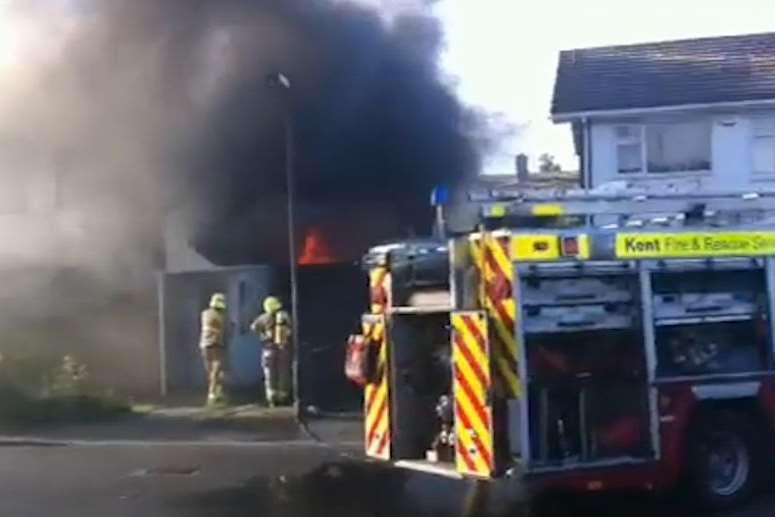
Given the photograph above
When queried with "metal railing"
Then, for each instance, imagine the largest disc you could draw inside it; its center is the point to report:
(633, 207)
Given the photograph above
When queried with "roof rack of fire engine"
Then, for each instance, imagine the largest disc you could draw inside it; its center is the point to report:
(628, 204)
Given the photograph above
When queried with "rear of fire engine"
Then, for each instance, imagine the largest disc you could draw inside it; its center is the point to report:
(580, 343)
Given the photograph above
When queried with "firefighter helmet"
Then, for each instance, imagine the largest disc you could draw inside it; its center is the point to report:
(272, 304)
(218, 301)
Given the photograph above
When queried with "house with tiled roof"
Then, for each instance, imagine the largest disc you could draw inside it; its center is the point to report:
(696, 111)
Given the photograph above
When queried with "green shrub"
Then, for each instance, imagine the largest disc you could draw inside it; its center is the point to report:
(39, 391)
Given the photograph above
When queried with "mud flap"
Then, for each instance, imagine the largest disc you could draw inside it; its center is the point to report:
(472, 388)
(376, 392)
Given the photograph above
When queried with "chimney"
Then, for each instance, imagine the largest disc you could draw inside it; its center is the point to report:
(522, 170)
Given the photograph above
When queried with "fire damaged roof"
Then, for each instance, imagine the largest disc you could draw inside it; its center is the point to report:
(669, 73)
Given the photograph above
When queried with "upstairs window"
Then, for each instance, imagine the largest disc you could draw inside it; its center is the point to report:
(629, 149)
(763, 146)
(678, 147)
(664, 148)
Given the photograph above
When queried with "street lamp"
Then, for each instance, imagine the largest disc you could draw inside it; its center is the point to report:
(280, 81)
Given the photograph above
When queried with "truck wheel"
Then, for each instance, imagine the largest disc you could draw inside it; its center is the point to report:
(722, 461)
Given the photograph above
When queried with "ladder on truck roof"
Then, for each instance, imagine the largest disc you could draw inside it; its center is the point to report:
(630, 205)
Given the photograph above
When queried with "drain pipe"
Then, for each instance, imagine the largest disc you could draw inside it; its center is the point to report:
(586, 157)
(586, 161)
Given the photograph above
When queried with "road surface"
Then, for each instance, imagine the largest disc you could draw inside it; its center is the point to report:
(239, 480)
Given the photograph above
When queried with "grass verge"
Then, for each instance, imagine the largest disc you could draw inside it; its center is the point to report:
(19, 410)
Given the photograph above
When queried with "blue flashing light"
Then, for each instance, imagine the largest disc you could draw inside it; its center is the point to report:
(440, 195)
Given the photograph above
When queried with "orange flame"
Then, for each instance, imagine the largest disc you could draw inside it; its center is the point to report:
(316, 250)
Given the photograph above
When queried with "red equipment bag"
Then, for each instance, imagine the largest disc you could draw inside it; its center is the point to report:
(358, 364)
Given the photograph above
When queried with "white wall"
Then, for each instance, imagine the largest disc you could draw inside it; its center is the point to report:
(730, 155)
(180, 256)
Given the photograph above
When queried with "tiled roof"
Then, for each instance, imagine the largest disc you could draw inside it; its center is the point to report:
(668, 73)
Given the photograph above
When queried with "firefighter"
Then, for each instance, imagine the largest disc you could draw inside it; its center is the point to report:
(213, 345)
(274, 329)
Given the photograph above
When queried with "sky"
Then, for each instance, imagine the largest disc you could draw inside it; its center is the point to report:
(504, 52)
(501, 55)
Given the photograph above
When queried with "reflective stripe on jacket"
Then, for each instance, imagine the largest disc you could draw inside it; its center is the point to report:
(213, 322)
(274, 328)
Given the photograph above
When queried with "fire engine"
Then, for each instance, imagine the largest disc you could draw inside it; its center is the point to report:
(579, 342)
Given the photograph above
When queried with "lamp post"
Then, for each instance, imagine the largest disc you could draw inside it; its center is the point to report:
(280, 81)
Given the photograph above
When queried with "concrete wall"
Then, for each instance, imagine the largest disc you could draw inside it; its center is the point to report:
(731, 152)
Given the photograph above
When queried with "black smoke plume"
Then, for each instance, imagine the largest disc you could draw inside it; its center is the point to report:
(166, 104)
(140, 108)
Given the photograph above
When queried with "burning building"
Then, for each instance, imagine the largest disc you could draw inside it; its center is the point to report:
(162, 108)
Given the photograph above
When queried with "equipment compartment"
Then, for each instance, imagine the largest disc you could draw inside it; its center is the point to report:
(687, 305)
(612, 353)
(589, 421)
(582, 317)
(573, 291)
(421, 375)
(587, 383)
(574, 303)
(711, 322)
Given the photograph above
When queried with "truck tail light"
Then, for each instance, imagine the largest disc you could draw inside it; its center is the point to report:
(570, 246)
(665, 403)
(379, 295)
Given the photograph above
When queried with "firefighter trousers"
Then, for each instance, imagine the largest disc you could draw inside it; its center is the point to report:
(277, 364)
(213, 358)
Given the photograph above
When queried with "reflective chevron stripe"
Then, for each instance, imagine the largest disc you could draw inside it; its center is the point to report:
(379, 284)
(492, 257)
(502, 309)
(471, 386)
(376, 394)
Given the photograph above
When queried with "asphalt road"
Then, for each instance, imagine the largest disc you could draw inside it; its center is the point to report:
(287, 479)
(147, 480)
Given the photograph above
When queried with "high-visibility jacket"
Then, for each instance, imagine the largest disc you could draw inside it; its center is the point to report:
(213, 328)
(274, 328)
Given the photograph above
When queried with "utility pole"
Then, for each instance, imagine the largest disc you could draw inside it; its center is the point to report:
(279, 80)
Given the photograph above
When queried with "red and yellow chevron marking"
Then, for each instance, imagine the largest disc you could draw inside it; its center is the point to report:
(499, 278)
(376, 394)
(379, 283)
(476, 249)
(492, 256)
(471, 387)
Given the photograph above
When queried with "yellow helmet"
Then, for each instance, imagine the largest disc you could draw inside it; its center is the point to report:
(218, 301)
(272, 304)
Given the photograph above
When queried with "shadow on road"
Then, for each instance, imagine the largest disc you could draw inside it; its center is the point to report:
(341, 489)
(351, 489)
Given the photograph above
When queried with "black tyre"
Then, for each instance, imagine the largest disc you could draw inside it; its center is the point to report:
(722, 462)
